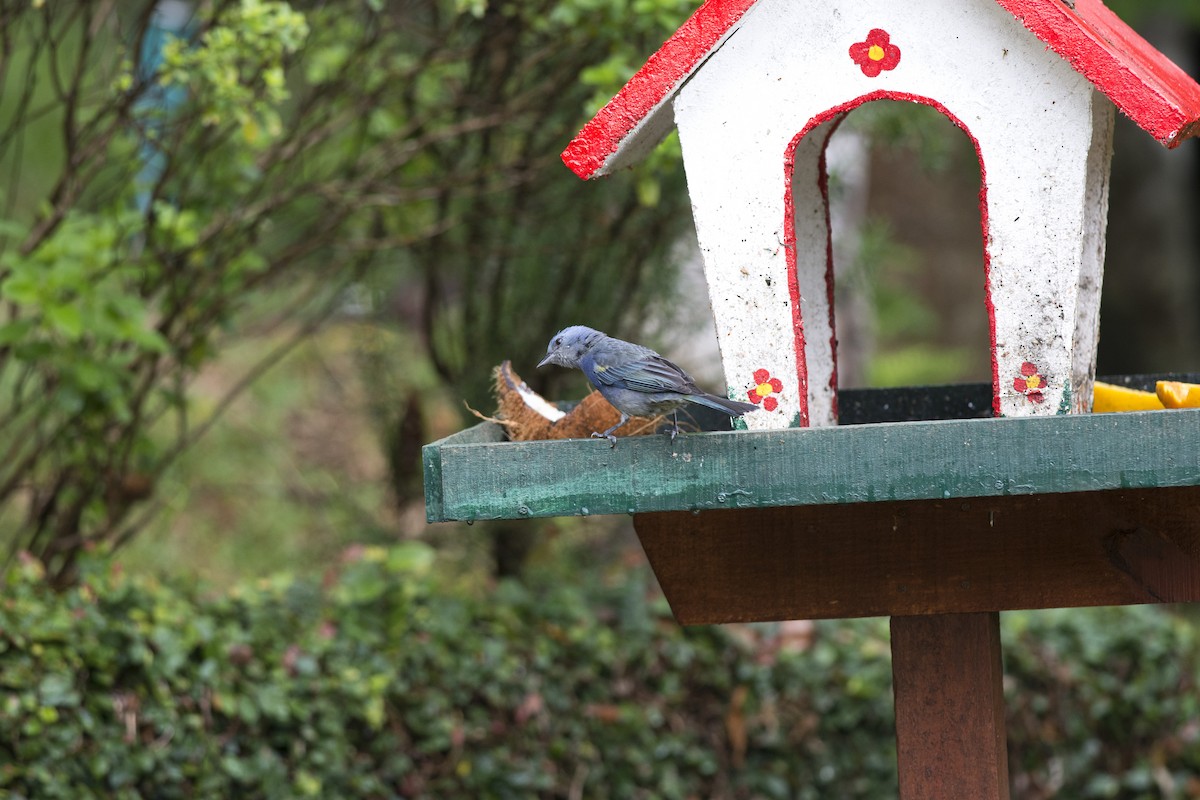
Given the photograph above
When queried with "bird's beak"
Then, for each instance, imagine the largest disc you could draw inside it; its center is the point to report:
(545, 360)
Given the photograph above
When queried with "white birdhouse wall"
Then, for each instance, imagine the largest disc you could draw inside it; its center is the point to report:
(754, 121)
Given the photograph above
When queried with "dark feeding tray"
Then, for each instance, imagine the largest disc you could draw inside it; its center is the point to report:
(926, 443)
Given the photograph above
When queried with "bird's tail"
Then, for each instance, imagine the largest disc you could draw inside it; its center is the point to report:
(733, 408)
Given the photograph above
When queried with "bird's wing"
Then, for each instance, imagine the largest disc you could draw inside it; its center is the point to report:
(645, 373)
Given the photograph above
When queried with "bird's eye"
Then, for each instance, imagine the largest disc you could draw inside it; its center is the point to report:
(558, 342)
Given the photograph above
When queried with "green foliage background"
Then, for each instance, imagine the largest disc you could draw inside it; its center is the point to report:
(384, 681)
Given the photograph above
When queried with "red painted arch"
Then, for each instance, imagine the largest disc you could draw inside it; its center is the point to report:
(789, 237)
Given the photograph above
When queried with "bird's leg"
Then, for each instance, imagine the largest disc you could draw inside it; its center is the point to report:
(674, 424)
(608, 434)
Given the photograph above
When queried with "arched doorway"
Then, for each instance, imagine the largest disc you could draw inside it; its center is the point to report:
(814, 270)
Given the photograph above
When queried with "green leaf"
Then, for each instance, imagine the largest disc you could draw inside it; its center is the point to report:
(12, 230)
(649, 191)
(12, 332)
(22, 288)
(92, 376)
(66, 319)
(411, 558)
(475, 8)
(57, 689)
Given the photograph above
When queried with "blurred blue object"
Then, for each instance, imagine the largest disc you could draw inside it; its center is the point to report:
(171, 19)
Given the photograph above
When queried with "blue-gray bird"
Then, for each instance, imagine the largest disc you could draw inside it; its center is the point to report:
(636, 380)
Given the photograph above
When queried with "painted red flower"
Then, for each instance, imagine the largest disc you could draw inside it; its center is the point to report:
(1031, 383)
(876, 54)
(764, 387)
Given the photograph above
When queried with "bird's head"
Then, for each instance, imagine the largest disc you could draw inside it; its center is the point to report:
(570, 345)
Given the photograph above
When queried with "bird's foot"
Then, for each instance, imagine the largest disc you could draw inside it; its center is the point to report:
(612, 439)
(608, 434)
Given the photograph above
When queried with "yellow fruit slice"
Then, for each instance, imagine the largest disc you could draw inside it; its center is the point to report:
(1176, 394)
(1108, 397)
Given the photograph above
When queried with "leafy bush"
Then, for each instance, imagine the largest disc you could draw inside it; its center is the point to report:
(1103, 703)
(263, 169)
(380, 683)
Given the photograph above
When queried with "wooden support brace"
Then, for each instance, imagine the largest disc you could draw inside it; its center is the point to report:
(928, 557)
(950, 736)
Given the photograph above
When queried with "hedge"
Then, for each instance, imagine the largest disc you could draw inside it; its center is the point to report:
(383, 682)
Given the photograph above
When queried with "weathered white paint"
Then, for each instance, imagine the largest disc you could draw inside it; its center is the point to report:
(813, 276)
(1091, 273)
(1044, 139)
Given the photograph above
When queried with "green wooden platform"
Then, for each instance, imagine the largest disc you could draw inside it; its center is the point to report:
(940, 524)
(475, 474)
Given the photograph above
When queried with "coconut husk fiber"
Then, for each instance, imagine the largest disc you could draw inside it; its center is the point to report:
(524, 413)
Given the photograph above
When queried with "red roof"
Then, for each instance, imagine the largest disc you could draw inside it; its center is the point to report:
(1147, 86)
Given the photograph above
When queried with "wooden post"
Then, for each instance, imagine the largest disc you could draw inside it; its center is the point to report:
(950, 735)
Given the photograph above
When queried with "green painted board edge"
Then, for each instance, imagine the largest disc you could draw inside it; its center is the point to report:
(476, 475)
(431, 466)
(485, 433)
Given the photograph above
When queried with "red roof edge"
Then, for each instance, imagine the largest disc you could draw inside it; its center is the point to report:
(654, 83)
(1143, 83)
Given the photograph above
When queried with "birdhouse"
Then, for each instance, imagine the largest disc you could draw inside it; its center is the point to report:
(938, 521)
(757, 87)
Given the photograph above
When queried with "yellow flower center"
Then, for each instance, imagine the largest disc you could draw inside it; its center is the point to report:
(763, 389)
(875, 53)
(1033, 381)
